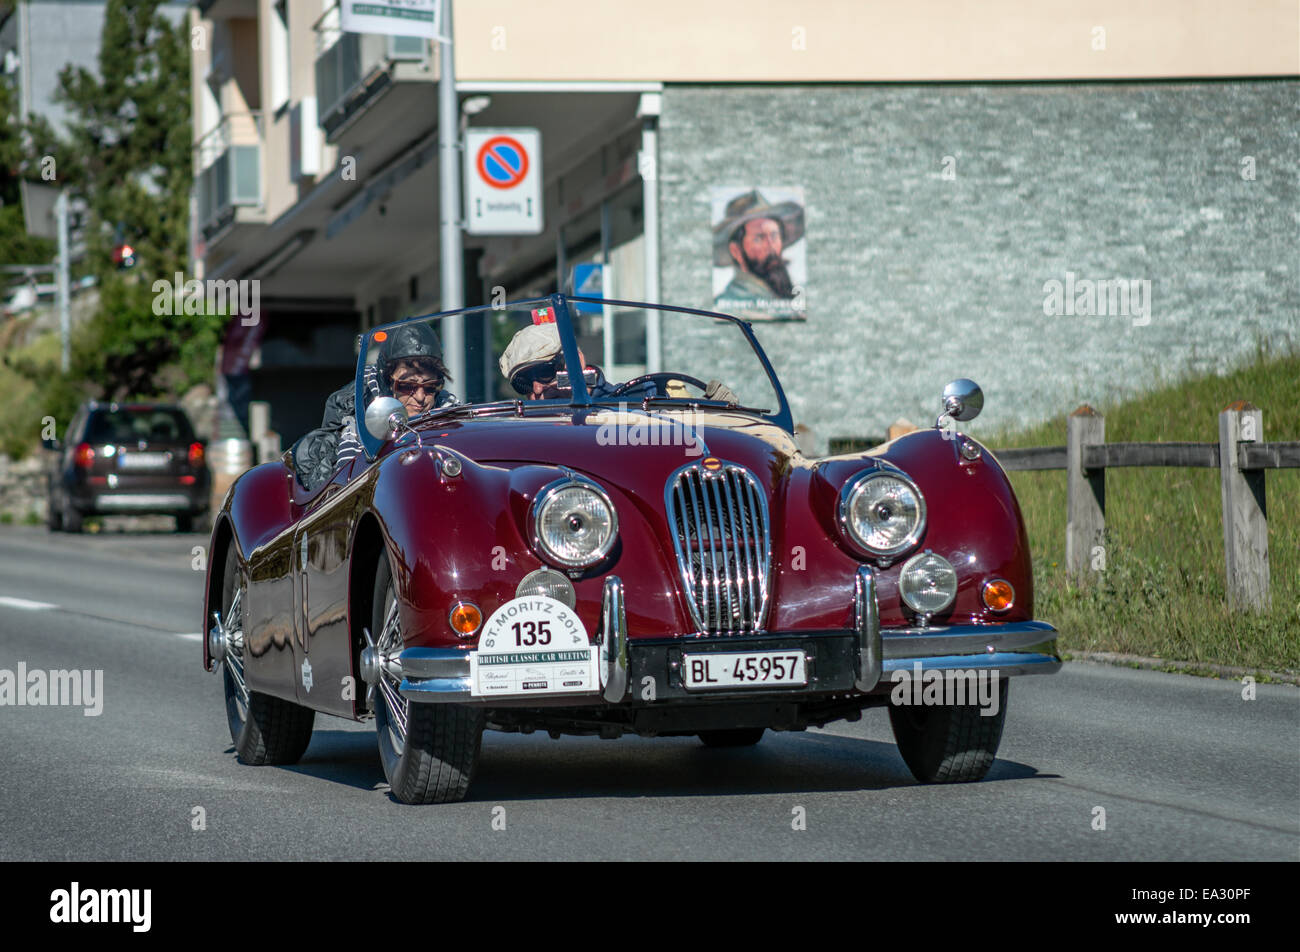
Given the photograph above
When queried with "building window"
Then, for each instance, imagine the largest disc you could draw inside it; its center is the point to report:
(280, 64)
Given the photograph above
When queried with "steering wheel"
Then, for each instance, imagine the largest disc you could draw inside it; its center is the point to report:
(660, 379)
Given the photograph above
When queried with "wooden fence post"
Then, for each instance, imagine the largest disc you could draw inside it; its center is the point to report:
(1245, 515)
(1085, 494)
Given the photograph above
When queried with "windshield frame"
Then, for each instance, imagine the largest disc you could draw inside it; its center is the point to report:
(581, 397)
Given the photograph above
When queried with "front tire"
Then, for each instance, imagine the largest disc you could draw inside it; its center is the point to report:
(429, 751)
(949, 743)
(265, 730)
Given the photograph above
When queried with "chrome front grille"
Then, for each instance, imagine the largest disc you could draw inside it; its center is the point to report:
(719, 522)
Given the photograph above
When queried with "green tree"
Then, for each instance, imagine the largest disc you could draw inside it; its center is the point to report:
(127, 152)
(16, 246)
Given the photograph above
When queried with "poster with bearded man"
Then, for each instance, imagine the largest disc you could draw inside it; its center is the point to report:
(760, 260)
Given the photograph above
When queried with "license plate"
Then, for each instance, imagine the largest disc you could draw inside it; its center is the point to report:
(143, 460)
(745, 669)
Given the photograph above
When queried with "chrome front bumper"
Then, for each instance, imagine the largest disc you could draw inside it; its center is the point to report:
(442, 675)
(1013, 648)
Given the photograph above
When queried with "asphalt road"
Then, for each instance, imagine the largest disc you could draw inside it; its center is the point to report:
(1183, 767)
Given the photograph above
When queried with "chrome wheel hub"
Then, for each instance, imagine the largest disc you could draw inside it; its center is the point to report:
(382, 671)
(226, 646)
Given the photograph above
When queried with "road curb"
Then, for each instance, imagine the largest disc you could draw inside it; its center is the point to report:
(1196, 668)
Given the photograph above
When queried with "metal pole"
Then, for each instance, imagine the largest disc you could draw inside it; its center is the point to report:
(449, 146)
(649, 168)
(61, 210)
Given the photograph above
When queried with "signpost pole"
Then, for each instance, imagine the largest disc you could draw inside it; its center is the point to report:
(61, 210)
(452, 283)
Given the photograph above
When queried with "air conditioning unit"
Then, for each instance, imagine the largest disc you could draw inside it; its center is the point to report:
(305, 141)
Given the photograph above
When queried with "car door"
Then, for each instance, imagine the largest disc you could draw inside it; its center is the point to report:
(322, 544)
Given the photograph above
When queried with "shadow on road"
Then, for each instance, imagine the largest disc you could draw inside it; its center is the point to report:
(533, 767)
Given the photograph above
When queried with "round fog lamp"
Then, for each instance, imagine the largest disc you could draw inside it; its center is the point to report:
(465, 618)
(928, 583)
(547, 582)
(998, 595)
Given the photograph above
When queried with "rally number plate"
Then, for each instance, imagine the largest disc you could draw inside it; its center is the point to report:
(747, 669)
(530, 646)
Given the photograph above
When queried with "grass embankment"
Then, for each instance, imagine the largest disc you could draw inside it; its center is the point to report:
(21, 402)
(1162, 594)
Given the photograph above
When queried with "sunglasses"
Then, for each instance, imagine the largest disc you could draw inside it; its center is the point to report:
(407, 388)
(543, 374)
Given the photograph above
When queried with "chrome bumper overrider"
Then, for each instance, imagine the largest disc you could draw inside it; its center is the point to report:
(434, 675)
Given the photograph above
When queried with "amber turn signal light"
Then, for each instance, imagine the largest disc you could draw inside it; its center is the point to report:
(465, 619)
(998, 595)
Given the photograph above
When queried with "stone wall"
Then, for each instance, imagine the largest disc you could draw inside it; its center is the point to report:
(22, 489)
(916, 276)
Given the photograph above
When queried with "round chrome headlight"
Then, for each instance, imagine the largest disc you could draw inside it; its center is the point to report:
(882, 512)
(928, 583)
(573, 523)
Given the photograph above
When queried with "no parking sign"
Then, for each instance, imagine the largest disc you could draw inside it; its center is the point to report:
(503, 182)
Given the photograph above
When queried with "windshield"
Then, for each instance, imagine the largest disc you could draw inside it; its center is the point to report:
(527, 353)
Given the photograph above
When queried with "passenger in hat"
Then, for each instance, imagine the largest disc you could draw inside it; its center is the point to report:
(532, 361)
(534, 358)
(409, 367)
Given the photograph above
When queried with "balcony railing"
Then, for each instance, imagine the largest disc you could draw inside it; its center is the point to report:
(349, 63)
(229, 163)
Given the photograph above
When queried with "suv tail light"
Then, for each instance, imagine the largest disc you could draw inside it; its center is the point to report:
(84, 455)
(196, 454)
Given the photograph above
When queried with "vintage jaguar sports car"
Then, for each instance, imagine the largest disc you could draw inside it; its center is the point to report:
(621, 557)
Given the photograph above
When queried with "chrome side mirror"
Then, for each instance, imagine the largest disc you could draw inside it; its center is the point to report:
(384, 417)
(963, 399)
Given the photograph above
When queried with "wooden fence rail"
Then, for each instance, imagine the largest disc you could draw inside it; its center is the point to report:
(1240, 455)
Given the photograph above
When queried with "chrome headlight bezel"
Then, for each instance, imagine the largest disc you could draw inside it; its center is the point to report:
(544, 497)
(849, 493)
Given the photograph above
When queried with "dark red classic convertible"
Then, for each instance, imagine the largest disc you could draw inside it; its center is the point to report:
(622, 557)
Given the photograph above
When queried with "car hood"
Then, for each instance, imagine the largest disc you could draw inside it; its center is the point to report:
(632, 448)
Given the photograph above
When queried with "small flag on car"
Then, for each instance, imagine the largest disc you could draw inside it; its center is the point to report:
(543, 315)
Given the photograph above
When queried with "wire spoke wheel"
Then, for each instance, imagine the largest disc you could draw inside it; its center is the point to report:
(395, 709)
(429, 751)
(264, 729)
(233, 661)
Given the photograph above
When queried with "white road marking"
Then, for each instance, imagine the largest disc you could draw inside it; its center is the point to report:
(25, 604)
(190, 636)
